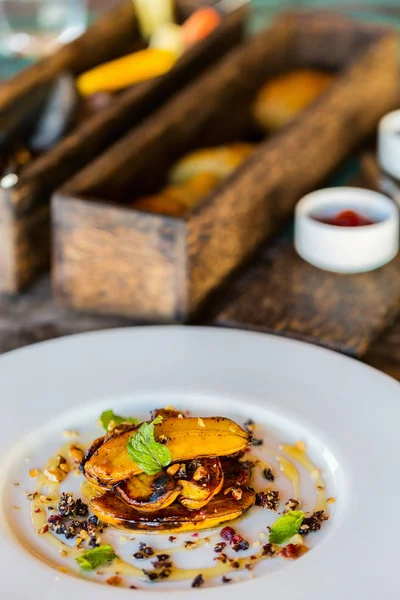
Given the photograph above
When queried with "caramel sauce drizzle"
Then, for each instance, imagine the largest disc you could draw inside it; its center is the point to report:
(298, 452)
(51, 490)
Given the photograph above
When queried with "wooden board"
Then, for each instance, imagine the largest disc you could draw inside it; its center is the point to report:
(384, 352)
(24, 209)
(290, 297)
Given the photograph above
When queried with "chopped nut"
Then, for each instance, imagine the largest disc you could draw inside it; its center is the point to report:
(44, 529)
(292, 504)
(198, 581)
(151, 575)
(297, 540)
(200, 422)
(70, 433)
(268, 550)
(268, 499)
(219, 547)
(75, 454)
(66, 506)
(222, 558)
(81, 509)
(256, 442)
(268, 474)
(34, 473)
(200, 473)
(114, 581)
(289, 552)
(313, 523)
(173, 469)
(53, 475)
(163, 439)
(45, 499)
(249, 426)
(16, 507)
(237, 493)
(64, 467)
(32, 495)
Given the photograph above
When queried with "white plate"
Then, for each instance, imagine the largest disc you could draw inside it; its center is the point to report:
(348, 415)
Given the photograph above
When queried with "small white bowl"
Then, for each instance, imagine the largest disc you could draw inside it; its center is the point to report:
(347, 249)
(389, 144)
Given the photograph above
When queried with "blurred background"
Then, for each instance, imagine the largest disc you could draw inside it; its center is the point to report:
(29, 28)
(55, 148)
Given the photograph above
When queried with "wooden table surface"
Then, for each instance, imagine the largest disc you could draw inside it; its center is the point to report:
(33, 317)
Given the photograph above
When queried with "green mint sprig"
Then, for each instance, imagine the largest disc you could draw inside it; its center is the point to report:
(143, 449)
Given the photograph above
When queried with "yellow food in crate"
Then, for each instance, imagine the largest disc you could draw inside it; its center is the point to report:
(153, 14)
(126, 71)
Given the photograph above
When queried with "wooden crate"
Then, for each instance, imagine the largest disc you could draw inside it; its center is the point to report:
(110, 258)
(24, 209)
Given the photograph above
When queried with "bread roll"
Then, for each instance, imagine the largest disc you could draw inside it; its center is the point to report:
(219, 161)
(284, 97)
(193, 177)
(175, 200)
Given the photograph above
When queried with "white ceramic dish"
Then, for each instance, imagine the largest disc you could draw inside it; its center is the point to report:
(347, 414)
(389, 143)
(346, 249)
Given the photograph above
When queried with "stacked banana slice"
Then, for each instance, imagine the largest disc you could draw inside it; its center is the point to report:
(204, 485)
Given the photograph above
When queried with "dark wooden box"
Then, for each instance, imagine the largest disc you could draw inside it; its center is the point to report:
(24, 209)
(111, 258)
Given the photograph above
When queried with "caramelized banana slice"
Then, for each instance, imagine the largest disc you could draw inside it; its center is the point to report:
(149, 492)
(112, 510)
(185, 439)
(95, 445)
(204, 480)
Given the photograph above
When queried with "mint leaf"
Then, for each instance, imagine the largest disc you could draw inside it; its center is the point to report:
(286, 527)
(108, 416)
(98, 557)
(146, 452)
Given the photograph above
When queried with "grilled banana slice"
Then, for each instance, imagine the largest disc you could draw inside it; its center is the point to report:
(149, 492)
(185, 438)
(204, 480)
(112, 510)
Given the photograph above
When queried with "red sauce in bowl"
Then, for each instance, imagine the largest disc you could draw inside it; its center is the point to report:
(346, 218)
